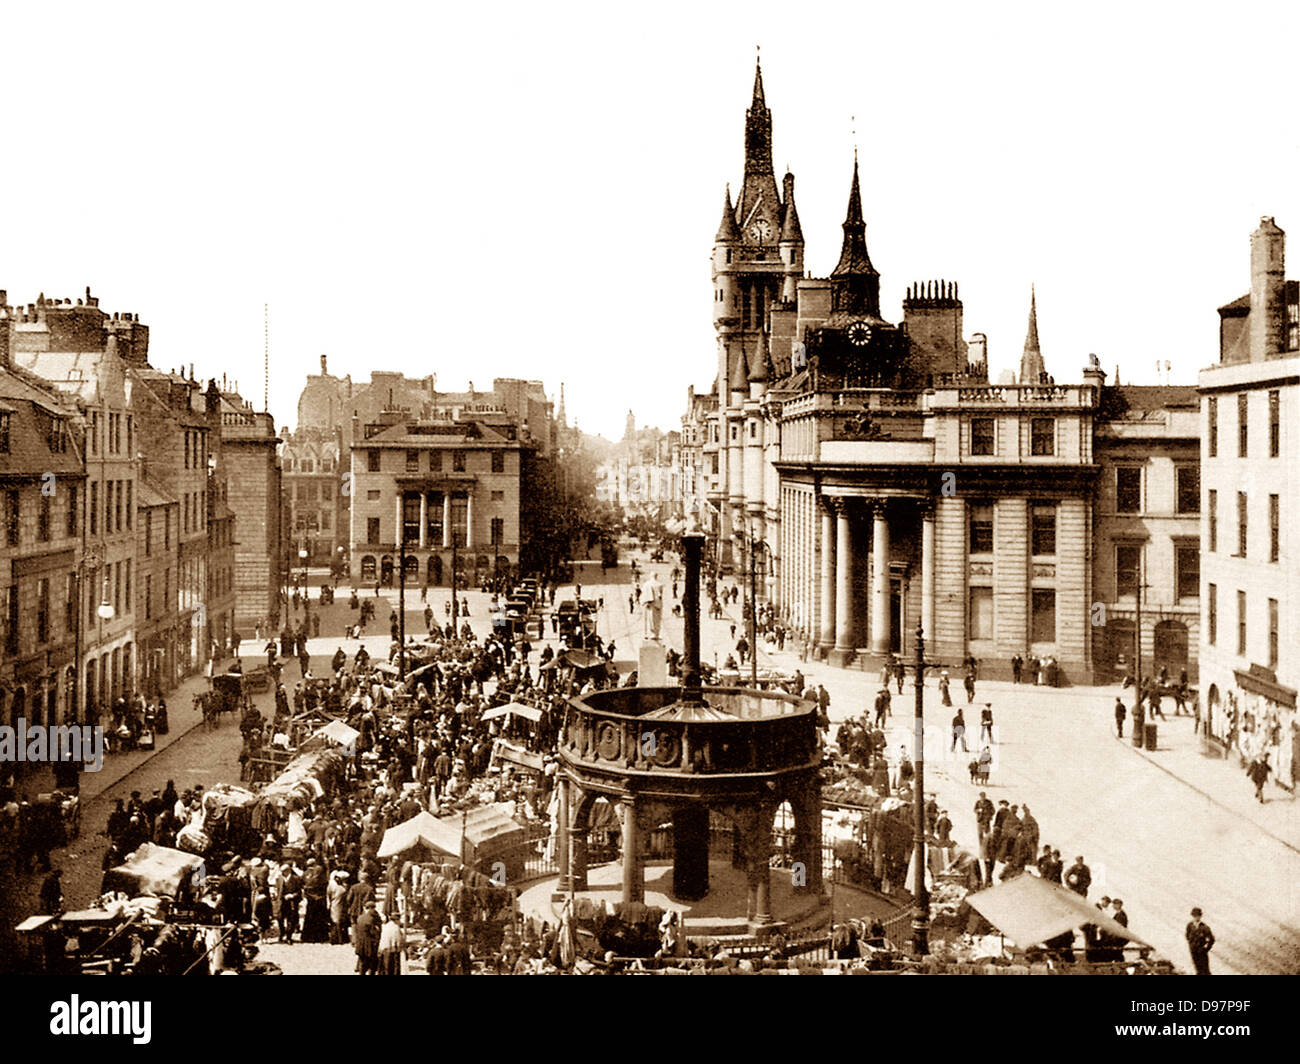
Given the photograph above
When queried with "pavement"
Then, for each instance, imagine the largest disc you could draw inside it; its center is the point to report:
(1165, 830)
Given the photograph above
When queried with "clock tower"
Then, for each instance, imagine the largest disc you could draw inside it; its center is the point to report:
(856, 345)
(757, 262)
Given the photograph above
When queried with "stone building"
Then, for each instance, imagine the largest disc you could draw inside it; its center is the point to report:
(876, 480)
(436, 483)
(174, 450)
(42, 486)
(1147, 530)
(86, 355)
(154, 574)
(1250, 564)
(317, 504)
(250, 455)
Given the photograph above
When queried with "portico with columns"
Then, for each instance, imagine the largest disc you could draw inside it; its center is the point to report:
(877, 569)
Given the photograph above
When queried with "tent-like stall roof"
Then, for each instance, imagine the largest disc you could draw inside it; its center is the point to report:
(1029, 910)
(518, 708)
(423, 828)
(154, 869)
(338, 732)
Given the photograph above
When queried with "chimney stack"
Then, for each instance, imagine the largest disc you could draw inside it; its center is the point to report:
(323, 371)
(1267, 291)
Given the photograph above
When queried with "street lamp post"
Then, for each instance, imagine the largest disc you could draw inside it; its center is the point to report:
(753, 611)
(401, 601)
(455, 604)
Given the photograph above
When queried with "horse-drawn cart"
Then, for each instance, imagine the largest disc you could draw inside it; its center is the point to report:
(229, 694)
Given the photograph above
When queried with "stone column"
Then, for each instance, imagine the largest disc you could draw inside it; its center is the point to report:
(691, 852)
(446, 519)
(397, 529)
(578, 859)
(879, 580)
(927, 573)
(826, 622)
(424, 519)
(844, 634)
(633, 886)
(469, 519)
(564, 832)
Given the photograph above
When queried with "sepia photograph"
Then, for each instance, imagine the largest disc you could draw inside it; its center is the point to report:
(718, 489)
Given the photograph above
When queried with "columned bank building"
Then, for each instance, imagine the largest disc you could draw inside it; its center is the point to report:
(878, 479)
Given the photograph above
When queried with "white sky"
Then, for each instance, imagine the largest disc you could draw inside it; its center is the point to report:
(529, 189)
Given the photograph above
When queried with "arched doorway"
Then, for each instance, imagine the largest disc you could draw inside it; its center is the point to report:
(1171, 645)
(503, 567)
(482, 569)
(412, 564)
(434, 570)
(18, 707)
(368, 569)
(386, 570)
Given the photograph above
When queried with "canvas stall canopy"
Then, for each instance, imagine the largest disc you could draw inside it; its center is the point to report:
(155, 870)
(1029, 911)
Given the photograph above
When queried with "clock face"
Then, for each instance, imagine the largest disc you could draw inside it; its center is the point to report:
(760, 231)
(859, 334)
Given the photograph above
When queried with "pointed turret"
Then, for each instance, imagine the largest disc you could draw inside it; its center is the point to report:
(759, 101)
(760, 361)
(559, 415)
(728, 230)
(1032, 369)
(855, 282)
(791, 233)
(738, 373)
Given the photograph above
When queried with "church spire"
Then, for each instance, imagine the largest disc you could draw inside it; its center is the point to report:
(1032, 368)
(855, 282)
(758, 84)
(559, 414)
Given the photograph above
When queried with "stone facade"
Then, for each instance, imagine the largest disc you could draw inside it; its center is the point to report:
(881, 482)
(1250, 565)
(151, 585)
(436, 483)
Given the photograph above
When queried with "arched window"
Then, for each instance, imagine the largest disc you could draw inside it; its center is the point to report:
(368, 568)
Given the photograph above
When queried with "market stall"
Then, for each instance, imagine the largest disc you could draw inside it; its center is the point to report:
(156, 870)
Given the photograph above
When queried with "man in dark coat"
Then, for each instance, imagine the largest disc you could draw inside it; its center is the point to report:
(1200, 940)
(1120, 713)
(359, 894)
(51, 896)
(983, 814)
(1079, 877)
(365, 939)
